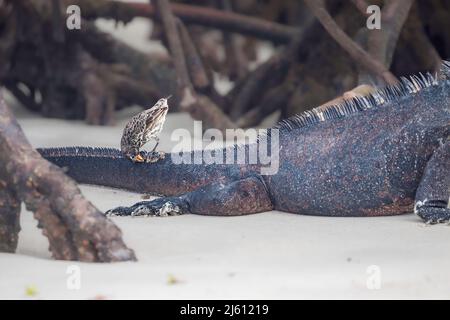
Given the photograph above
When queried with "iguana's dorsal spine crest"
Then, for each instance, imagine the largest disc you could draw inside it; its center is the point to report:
(81, 152)
(406, 87)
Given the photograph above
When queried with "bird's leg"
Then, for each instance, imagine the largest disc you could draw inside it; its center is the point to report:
(153, 155)
(157, 142)
(136, 156)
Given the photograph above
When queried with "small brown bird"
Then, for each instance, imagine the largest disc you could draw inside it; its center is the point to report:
(142, 128)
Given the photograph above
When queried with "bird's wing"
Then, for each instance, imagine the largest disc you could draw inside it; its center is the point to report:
(153, 119)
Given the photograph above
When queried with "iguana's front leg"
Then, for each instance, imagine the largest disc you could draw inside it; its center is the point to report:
(433, 193)
(161, 207)
(236, 198)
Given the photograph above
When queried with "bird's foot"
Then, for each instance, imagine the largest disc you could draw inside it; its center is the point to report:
(148, 157)
(433, 212)
(137, 158)
(162, 207)
(154, 156)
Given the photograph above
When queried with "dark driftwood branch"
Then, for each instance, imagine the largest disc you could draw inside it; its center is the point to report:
(76, 230)
(174, 42)
(267, 73)
(361, 5)
(81, 74)
(201, 76)
(190, 14)
(9, 217)
(252, 86)
(198, 75)
(352, 48)
(414, 35)
(141, 76)
(274, 100)
(200, 107)
(57, 21)
(236, 62)
(382, 43)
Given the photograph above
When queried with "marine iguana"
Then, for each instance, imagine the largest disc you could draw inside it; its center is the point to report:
(387, 153)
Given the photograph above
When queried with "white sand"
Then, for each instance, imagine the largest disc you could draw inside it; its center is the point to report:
(270, 255)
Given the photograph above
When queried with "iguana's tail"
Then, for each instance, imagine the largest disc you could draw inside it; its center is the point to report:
(107, 167)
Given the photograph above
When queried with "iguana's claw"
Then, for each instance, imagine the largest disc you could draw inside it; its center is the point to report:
(161, 207)
(433, 212)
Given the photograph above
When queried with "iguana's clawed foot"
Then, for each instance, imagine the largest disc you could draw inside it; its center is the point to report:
(161, 207)
(433, 212)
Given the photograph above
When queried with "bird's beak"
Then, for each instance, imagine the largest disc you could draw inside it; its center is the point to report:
(168, 97)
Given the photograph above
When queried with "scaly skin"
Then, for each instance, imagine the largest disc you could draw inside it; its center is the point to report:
(391, 156)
